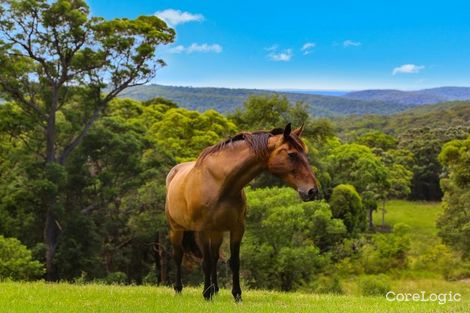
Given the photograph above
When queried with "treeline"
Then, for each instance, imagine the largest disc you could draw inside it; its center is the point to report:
(421, 131)
(111, 195)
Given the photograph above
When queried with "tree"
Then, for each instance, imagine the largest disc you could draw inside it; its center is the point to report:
(425, 143)
(58, 63)
(454, 223)
(357, 165)
(346, 204)
(377, 139)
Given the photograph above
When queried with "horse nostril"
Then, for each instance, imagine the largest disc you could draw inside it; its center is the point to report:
(312, 191)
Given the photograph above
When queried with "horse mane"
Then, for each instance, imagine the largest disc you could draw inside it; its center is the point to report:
(257, 141)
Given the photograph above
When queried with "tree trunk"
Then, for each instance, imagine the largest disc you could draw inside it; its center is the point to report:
(51, 227)
(51, 234)
(383, 214)
(371, 221)
(163, 275)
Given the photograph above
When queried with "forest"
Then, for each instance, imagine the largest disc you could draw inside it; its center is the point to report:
(82, 185)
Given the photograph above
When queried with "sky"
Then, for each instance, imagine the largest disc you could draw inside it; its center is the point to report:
(309, 45)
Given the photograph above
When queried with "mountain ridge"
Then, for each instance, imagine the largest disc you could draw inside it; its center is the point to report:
(372, 101)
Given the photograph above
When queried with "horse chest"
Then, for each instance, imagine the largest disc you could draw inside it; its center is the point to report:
(220, 217)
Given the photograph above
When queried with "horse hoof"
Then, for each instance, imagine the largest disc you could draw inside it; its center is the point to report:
(208, 296)
(178, 289)
(209, 293)
(238, 298)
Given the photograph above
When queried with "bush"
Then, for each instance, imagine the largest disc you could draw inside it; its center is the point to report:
(150, 278)
(346, 204)
(327, 284)
(374, 285)
(387, 251)
(116, 278)
(16, 261)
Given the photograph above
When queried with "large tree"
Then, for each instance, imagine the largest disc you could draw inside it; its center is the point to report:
(58, 63)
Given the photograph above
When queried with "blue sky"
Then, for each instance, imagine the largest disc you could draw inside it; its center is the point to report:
(324, 45)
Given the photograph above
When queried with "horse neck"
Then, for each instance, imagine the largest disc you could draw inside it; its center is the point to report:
(235, 167)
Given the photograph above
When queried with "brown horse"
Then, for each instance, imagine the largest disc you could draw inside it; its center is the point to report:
(205, 198)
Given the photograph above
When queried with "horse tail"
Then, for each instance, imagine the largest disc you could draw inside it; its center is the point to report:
(170, 175)
(190, 246)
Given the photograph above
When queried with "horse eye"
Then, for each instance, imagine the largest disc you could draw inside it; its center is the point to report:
(292, 155)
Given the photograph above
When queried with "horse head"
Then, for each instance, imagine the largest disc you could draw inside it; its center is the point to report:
(288, 160)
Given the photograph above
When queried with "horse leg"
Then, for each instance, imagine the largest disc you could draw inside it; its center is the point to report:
(176, 238)
(208, 291)
(236, 236)
(216, 242)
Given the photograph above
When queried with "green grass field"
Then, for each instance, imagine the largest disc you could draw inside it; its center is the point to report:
(42, 297)
(421, 216)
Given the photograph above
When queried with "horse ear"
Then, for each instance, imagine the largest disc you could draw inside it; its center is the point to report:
(287, 131)
(298, 131)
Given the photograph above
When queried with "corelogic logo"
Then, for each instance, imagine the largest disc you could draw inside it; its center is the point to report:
(441, 298)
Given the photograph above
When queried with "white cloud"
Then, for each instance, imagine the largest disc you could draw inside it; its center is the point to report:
(216, 48)
(175, 17)
(177, 49)
(283, 56)
(407, 69)
(195, 47)
(272, 48)
(307, 48)
(351, 43)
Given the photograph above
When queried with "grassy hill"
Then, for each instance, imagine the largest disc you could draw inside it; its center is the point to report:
(41, 297)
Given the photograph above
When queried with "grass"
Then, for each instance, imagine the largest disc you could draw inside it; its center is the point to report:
(42, 297)
(421, 216)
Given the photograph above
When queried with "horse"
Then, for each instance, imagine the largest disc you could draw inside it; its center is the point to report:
(205, 198)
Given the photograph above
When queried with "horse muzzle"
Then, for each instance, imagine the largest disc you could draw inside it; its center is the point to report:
(311, 194)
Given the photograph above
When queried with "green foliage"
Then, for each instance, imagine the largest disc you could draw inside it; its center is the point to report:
(327, 284)
(286, 239)
(16, 261)
(346, 204)
(375, 285)
(186, 133)
(454, 223)
(268, 112)
(387, 252)
(377, 139)
(357, 165)
(115, 278)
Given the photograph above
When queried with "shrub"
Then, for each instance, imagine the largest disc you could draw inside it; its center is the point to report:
(150, 278)
(16, 261)
(327, 284)
(346, 204)
(115, 278)
(374, 285)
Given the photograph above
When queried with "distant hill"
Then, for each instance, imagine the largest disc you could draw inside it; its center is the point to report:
(228, 100)
(412, 98)
(353, 103)
(441, 115)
